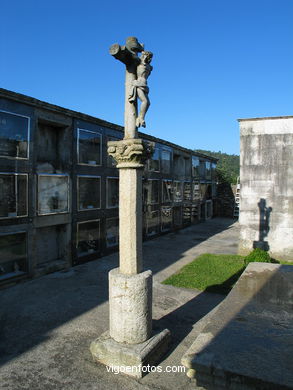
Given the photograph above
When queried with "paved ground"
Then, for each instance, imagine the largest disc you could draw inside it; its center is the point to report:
(247, 344)
(47, 324)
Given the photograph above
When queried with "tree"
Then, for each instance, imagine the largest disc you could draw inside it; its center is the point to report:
(228, 167)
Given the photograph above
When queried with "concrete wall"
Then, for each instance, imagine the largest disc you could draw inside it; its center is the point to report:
(266, 175)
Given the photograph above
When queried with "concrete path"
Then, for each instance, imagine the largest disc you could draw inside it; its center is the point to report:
(47, 324)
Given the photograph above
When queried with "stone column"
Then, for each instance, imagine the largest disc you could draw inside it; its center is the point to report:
(130, 220)
(130, 289)
(129, 341)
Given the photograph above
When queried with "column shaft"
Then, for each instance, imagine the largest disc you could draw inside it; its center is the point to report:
(130, 220)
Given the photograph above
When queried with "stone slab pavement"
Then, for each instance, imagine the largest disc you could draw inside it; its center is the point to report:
(247, 343)
(47, 324)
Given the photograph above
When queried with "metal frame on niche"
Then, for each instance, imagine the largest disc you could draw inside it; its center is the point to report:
(146, 180)
(28, 136)
(195, 167)
(38, 192)
(152, 212)
(77, 231)
(171, 193)
(101, 149)
(78, 191)
(175, 200)
(166, 211)
(13, 233)
(184, 191)
(157, 149)
(18, 174)
(107, 192)
(109, 219)
(170, 151)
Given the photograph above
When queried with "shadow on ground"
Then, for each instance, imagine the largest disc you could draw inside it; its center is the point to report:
(227, 285)
(32, 311)
(181, 320)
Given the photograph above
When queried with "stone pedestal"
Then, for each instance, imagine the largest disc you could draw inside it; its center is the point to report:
(129, 346)
(130, 300)
(131, 359)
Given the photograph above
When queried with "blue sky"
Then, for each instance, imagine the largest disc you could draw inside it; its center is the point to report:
(214, 61)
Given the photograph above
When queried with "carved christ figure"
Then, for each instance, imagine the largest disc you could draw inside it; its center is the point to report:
(138, 69)
(140, 88)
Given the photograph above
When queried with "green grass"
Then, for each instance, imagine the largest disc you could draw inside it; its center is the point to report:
(214, 273)
(283, 262)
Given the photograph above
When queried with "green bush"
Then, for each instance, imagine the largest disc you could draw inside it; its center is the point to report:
(257, 255)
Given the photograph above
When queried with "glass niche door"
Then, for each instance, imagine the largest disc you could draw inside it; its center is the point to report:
(151, 191)
(166, 218)
(167, 191)
(13, 255)
(14, 135)
(88, 192)
(112, 191)
(112, 232)
(13, 195)
(187, 195)
(152, 221)
(89, 147)
(177, 191)
(177, 217)
(53, 193)
(88, 237)
(154, 161)
(166, 157)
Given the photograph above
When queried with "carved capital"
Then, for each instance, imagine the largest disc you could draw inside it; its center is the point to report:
(130, 153)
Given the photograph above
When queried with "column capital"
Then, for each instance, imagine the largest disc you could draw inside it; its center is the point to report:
(130, 153)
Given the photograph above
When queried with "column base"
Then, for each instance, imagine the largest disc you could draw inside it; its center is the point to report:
(130, 306)
(131, 359)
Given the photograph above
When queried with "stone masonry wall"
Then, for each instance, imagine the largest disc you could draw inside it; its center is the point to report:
(225, 202)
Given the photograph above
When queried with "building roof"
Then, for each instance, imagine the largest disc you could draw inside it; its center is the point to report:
(265, 118)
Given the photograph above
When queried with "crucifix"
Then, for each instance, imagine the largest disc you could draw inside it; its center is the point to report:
(132, 152)
(138, 70)
(130, 340)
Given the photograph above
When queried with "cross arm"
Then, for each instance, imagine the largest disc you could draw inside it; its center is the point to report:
(122, 54)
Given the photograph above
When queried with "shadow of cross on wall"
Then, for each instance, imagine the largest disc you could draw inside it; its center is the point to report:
(264, 225)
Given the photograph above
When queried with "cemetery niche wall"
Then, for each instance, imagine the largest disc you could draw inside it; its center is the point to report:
(59, 188)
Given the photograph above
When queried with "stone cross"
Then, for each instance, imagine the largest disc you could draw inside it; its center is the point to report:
(130, 341)
(131, 153)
